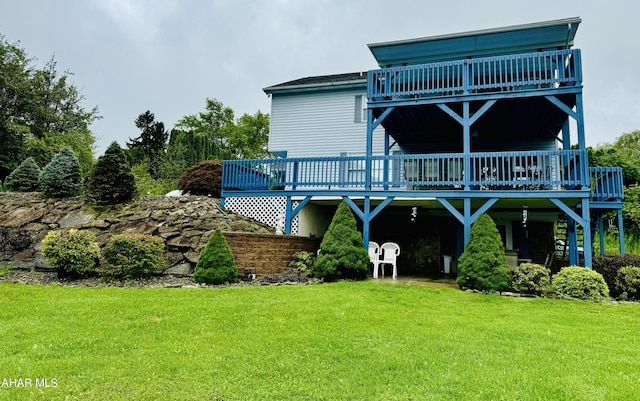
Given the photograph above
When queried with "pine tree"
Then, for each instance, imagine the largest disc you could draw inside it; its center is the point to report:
(111, 181)
(483, 265)
(25, 177)
(61, 177)
(216, 264)
(151, 143)
(342, 251)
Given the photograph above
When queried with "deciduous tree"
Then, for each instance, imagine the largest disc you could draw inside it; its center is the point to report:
(35, 102)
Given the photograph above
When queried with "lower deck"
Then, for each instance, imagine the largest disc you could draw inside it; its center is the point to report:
(431, 230)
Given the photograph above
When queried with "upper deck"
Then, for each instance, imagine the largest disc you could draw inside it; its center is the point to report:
(553, 69)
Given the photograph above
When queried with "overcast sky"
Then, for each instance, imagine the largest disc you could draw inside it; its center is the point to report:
(168, 56)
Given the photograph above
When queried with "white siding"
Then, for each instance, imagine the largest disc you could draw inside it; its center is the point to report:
(319, 124)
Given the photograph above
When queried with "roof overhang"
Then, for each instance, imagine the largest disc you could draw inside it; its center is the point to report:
(548, 35)
(354, 80)
(281, 89)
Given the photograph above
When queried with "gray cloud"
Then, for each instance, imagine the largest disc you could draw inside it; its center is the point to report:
(129, 56)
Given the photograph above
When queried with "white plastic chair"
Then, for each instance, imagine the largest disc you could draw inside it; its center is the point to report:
(389, 252)
(374, 255)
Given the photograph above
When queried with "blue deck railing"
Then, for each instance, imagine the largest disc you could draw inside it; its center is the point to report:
(548, 69)
(534, 170)
(606, 183)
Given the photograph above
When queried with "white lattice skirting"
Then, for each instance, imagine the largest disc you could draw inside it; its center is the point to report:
(269, 210)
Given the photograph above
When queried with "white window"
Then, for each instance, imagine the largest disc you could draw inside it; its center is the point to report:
(360, 109)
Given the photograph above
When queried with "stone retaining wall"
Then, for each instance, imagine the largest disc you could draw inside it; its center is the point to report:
(185, 224)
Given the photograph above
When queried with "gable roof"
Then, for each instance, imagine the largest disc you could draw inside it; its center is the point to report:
(322, 82)
(547, 35)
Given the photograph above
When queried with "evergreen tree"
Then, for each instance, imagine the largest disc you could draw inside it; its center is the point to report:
(483, 265)
(61, 177)
(151, 143)
(216, 264)
(342, 251)
(111, 181)
(25, 177)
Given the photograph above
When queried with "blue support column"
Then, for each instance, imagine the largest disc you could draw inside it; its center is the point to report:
(580, 122)
(366, 220)
(621, 231)
(466, 148)
(386, 161)
(288, 216)
(369, 149)
(587, 243)
(573, 241)
(601, 234)
(467, 220)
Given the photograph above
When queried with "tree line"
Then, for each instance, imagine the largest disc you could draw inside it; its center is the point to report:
(42, 112)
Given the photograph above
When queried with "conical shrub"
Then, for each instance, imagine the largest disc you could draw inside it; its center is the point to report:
(483, 265)
(342, 251)
(111, 181)
(25, 177)
(61, 177)
(216, 264)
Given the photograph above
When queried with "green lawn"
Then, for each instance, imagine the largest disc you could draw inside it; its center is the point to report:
(343, 341)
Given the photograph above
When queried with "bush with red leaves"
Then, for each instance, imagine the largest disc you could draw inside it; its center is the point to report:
(204, 178)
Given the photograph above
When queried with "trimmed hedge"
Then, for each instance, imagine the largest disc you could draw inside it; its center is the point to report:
(608, 266)
(531, 278)
(133, 256)
(71, 252)
(580, 283)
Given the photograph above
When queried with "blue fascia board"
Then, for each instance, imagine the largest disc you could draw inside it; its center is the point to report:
(375, 103)
(430, 194)
(558, 34)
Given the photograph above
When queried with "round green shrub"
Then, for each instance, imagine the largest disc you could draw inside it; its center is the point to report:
(71, 252)
(216, 264)
(609, 265)
(628, 282)
(25, 177)
(531, 278)
(580, 283)
(61, 178)
(342, 251)
(133, 256)
(483, 265)
(111, 181)
(303, 262)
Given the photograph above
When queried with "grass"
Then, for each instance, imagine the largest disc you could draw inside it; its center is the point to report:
(612, 243)
(343, 341)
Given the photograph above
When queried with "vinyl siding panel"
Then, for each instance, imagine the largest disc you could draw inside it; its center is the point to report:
(319, 124)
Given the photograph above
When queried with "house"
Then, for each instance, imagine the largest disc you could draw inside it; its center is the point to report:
(447, 128)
